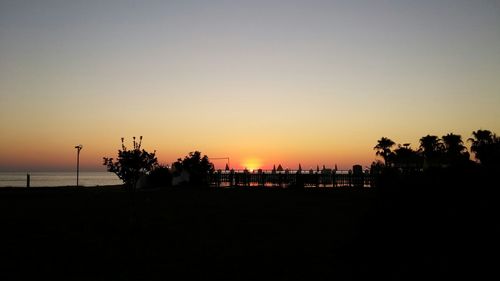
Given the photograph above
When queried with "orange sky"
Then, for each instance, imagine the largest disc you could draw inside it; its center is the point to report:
(58, 154)
(279, 82)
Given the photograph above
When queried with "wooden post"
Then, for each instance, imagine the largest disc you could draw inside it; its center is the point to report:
(27, 180)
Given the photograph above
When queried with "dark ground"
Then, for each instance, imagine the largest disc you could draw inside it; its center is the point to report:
(111, 234)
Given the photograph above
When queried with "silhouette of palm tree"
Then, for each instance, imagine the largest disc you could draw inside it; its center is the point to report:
(453, 143)
(383, 148)
(406, 158)
(431, 148)
(481, 138)
(485, 146)
(455, 149)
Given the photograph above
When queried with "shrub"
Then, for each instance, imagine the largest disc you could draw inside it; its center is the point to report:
(131, 164)
(198, 168)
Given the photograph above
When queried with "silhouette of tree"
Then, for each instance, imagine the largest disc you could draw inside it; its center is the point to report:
(383, 148)
(455, 150)
(131, 164)
(405, 158)
(431, 148)
(199, 168)
(430, 144)
(486, 147)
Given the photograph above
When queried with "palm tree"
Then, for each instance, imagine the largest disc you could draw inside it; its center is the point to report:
(383, 148)
(455, 149)
(429, 145)
(431, 148)
(453, 144)
(484, 144)
(406, 158)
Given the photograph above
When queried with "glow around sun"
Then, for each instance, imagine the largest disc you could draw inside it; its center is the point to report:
(252, 164)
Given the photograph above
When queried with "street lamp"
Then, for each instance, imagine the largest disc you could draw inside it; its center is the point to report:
(78, 148)
(222, 158)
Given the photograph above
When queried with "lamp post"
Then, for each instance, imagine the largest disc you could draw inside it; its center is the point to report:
(78, 148)
(221, 158)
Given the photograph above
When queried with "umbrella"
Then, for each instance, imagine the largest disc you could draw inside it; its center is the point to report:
(280, 169)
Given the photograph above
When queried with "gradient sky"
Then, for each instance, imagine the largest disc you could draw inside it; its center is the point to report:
(261, 82)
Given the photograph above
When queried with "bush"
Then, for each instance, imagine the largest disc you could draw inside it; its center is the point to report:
(132, 164)
(198, 168)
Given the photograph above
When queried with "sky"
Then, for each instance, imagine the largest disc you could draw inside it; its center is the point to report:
(261, 82)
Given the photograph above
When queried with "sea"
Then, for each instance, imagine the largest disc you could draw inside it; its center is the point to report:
(42, 179)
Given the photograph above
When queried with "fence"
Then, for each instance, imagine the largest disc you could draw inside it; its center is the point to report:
(284, 179)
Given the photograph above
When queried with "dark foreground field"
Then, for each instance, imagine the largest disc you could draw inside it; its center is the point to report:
(110, 234)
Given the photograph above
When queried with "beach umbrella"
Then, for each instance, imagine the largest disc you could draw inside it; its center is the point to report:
(324, 168)
(280, 169)
(300, 167)
(336, 167)
(317, 168)
(227, 167)
(274, 168)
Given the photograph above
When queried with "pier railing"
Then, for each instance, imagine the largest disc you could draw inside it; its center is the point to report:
(291, 178)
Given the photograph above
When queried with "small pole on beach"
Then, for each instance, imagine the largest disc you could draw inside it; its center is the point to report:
(27, 180)
(78, 148)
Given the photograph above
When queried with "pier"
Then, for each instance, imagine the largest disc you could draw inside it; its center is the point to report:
(292, 178)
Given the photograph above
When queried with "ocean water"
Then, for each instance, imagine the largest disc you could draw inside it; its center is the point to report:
(39, 179)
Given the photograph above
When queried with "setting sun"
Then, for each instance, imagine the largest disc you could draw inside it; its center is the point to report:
(252, 164)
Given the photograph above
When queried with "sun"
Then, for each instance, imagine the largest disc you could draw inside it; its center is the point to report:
(252, 164)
